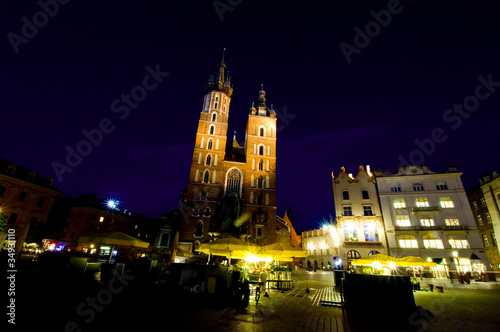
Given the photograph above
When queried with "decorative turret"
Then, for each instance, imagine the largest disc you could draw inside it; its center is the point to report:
(220, 84)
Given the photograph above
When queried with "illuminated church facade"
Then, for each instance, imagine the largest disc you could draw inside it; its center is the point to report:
(231, 189)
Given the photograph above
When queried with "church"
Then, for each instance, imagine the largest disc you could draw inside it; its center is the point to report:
(231, 189)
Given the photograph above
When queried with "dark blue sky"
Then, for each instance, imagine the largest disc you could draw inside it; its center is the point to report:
(397, 88)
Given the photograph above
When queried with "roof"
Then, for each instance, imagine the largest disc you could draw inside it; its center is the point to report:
(22, 173)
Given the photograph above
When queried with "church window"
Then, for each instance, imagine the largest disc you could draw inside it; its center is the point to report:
(210, 144)
(206, 176)
(199, 229)
(260, 182)
(233, 181)
(261, 165)
(216, 104)
(259, 199)
(214, 117)
(262, 132)
(262, 150)
(209, 160)
(211, 131)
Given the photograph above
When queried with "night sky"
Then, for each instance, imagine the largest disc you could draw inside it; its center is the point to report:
(396, 85)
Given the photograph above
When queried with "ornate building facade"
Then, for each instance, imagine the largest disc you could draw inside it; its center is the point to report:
(427, 214)
(231, 188)
(359, 218)
(26, 200)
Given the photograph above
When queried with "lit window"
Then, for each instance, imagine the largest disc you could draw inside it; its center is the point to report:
(446, 203)
(418, 187)
(353, 254)
(407, 241)
(451, 222)
(488, 217)
(483, 202)
(347, 211)
(345, 195)
(494, 238)
(216, 104)
(328, 252)
(474, 204)
(403, 220)
(485, 241)
(350, 232)
(367, 210)
(101, 219)
(426, 221)
(432, 243)
(479, 219)
(441, 185)
(422, 202)
(399, 203)
(371, 233)
(396, 188)
(365, 194)
(459, 244)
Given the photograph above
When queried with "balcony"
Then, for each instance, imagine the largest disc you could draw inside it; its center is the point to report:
(362, 243)
(425, 210)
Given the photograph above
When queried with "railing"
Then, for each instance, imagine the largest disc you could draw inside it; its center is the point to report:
(420, 209)
(427, 228)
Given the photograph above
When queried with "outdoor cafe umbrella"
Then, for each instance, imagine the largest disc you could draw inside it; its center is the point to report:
(114, 239)
(228, 246)
(414, 261)
(282, 251)
(376, 259)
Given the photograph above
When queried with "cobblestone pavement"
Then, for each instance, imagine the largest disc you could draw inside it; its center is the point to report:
(461, 307)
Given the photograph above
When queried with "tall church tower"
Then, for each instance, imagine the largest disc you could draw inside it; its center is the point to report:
(231, 189)
(260, 184)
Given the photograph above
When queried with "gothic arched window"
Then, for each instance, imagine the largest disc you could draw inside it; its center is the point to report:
(211, 131)
(262, 132)
(210, 144)
(206, 176)
(209, 160)
(199, 229)
(262, 150)
(214, 117)
(233, 181)
(260, 182)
